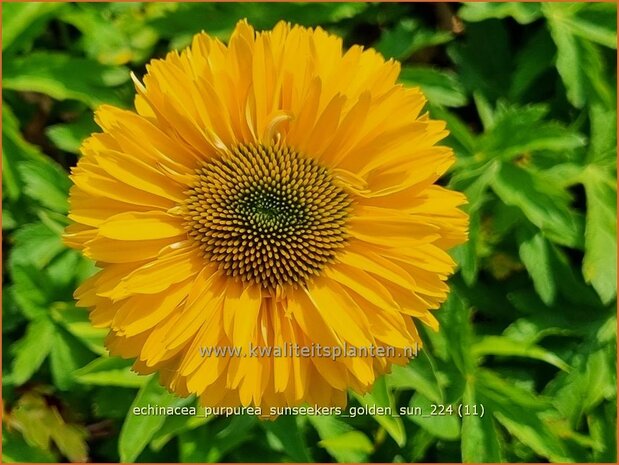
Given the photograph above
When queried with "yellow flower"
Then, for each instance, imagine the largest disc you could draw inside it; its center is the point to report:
(274, 192)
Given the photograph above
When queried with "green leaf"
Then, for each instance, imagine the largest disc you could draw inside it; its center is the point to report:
(545, 205)
(138, 430)
(603, 144)
(14, 150)
(594, 22)
(190, 444)
(235, 432)
(420, 375)
(440, 87)
(534, 252)
(343, 443)
(455, 319)
(522, 12)
(67, 355)
(175, 425)
(490, 77)
(32, 349)
(69, 136)
(286, 429)
(419, 442)
(36, 245)
(480, 440)
(349, 443)
(474, 184)
(62, 76)
(75, 320)
(600, 261)
(579, 61)
(524, 415)
(31, 290)
(602, 424)
(22, 22)
(504, 346)
(517, 131)
(446, 426)
(111, 38)
(15, 449)
(381, 396)
(8, 220)
(110, 371)
(46, 182)
(593, 377)
(407, 37)
(460, 136)
(532, 61)
(219, 20)
(114, 407)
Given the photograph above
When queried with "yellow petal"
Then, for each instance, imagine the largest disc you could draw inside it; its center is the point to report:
(136, 226)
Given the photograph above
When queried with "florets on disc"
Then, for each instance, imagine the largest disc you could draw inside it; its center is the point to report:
(267, 214)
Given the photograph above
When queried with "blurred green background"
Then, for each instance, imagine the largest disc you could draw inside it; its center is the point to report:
(529, 332)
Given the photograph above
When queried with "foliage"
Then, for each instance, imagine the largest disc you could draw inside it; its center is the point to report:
(528, 91)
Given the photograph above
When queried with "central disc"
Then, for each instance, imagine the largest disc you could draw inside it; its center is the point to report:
(267, 214)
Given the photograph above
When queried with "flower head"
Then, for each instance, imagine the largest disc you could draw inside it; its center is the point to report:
(276, 192)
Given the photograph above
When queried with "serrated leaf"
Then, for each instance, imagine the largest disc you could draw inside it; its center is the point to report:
(36, 245)
(603, 144)
(77, 323)
(66, 356)
(112, 37)
(602, 424)
(407, 37)
(32, 350)
(600, 261)
(596, 22)
(534, 252)
(579, 61)
(475, 188)
(455, 319)
(440, 87)
(517, 131)
(46, 182)
(522, 414)
(31, 290)
(544, 204)
(63, 76)
(593, 377)
(522, 12)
